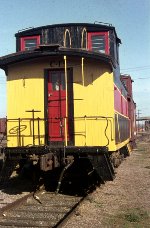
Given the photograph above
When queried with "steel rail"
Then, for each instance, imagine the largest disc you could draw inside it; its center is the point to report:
(64, 220)
(15, 203)
(49, 209)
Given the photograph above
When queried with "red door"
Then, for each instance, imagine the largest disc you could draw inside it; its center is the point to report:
(56, 105)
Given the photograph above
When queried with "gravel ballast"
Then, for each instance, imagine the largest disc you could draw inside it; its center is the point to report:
(124, 202)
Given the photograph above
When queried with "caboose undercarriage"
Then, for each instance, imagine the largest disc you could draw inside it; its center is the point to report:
(69, 162)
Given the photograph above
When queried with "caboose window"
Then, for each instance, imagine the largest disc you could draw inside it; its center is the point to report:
(30, 42)
(98, 41)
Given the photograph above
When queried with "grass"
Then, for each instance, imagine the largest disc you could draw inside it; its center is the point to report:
(96, 203)
(133, 218)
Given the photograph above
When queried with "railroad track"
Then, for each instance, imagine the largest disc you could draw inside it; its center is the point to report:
(43, 209)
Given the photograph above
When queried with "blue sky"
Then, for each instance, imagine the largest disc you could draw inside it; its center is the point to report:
(130, 17)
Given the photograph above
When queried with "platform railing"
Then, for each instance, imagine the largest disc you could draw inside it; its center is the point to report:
(21, 129)
(34, 132)
(98, 120)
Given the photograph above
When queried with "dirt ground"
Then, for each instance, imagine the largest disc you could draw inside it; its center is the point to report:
(124, 202)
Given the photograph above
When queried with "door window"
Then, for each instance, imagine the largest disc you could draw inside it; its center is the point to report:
(58, 81)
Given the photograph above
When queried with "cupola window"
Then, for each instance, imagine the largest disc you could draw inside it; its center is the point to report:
(98, 41)
(30, 42)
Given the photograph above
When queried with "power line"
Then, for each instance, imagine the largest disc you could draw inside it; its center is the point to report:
(136, 70)
(144, 78)
(140, 67)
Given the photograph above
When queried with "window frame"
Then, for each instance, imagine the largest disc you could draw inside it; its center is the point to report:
(105, 34)
(23, 39)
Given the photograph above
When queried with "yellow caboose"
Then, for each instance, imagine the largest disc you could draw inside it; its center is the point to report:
(65, 97)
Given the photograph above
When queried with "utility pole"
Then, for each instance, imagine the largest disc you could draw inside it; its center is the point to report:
(138, 115)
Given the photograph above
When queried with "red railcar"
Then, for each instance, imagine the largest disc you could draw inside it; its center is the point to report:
(127, 81)
(2, 125)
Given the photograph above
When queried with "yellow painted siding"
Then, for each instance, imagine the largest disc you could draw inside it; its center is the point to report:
(95, 99)
(25, 89)
(122, 144)
(93, 102)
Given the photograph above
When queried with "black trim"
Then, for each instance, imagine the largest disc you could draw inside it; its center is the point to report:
(116, 130)
(124, 128)
(37, 150)
(69, 150)
(45, 104)
(89, 27)
(85, 149)
(32, 54)
(70, 105)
